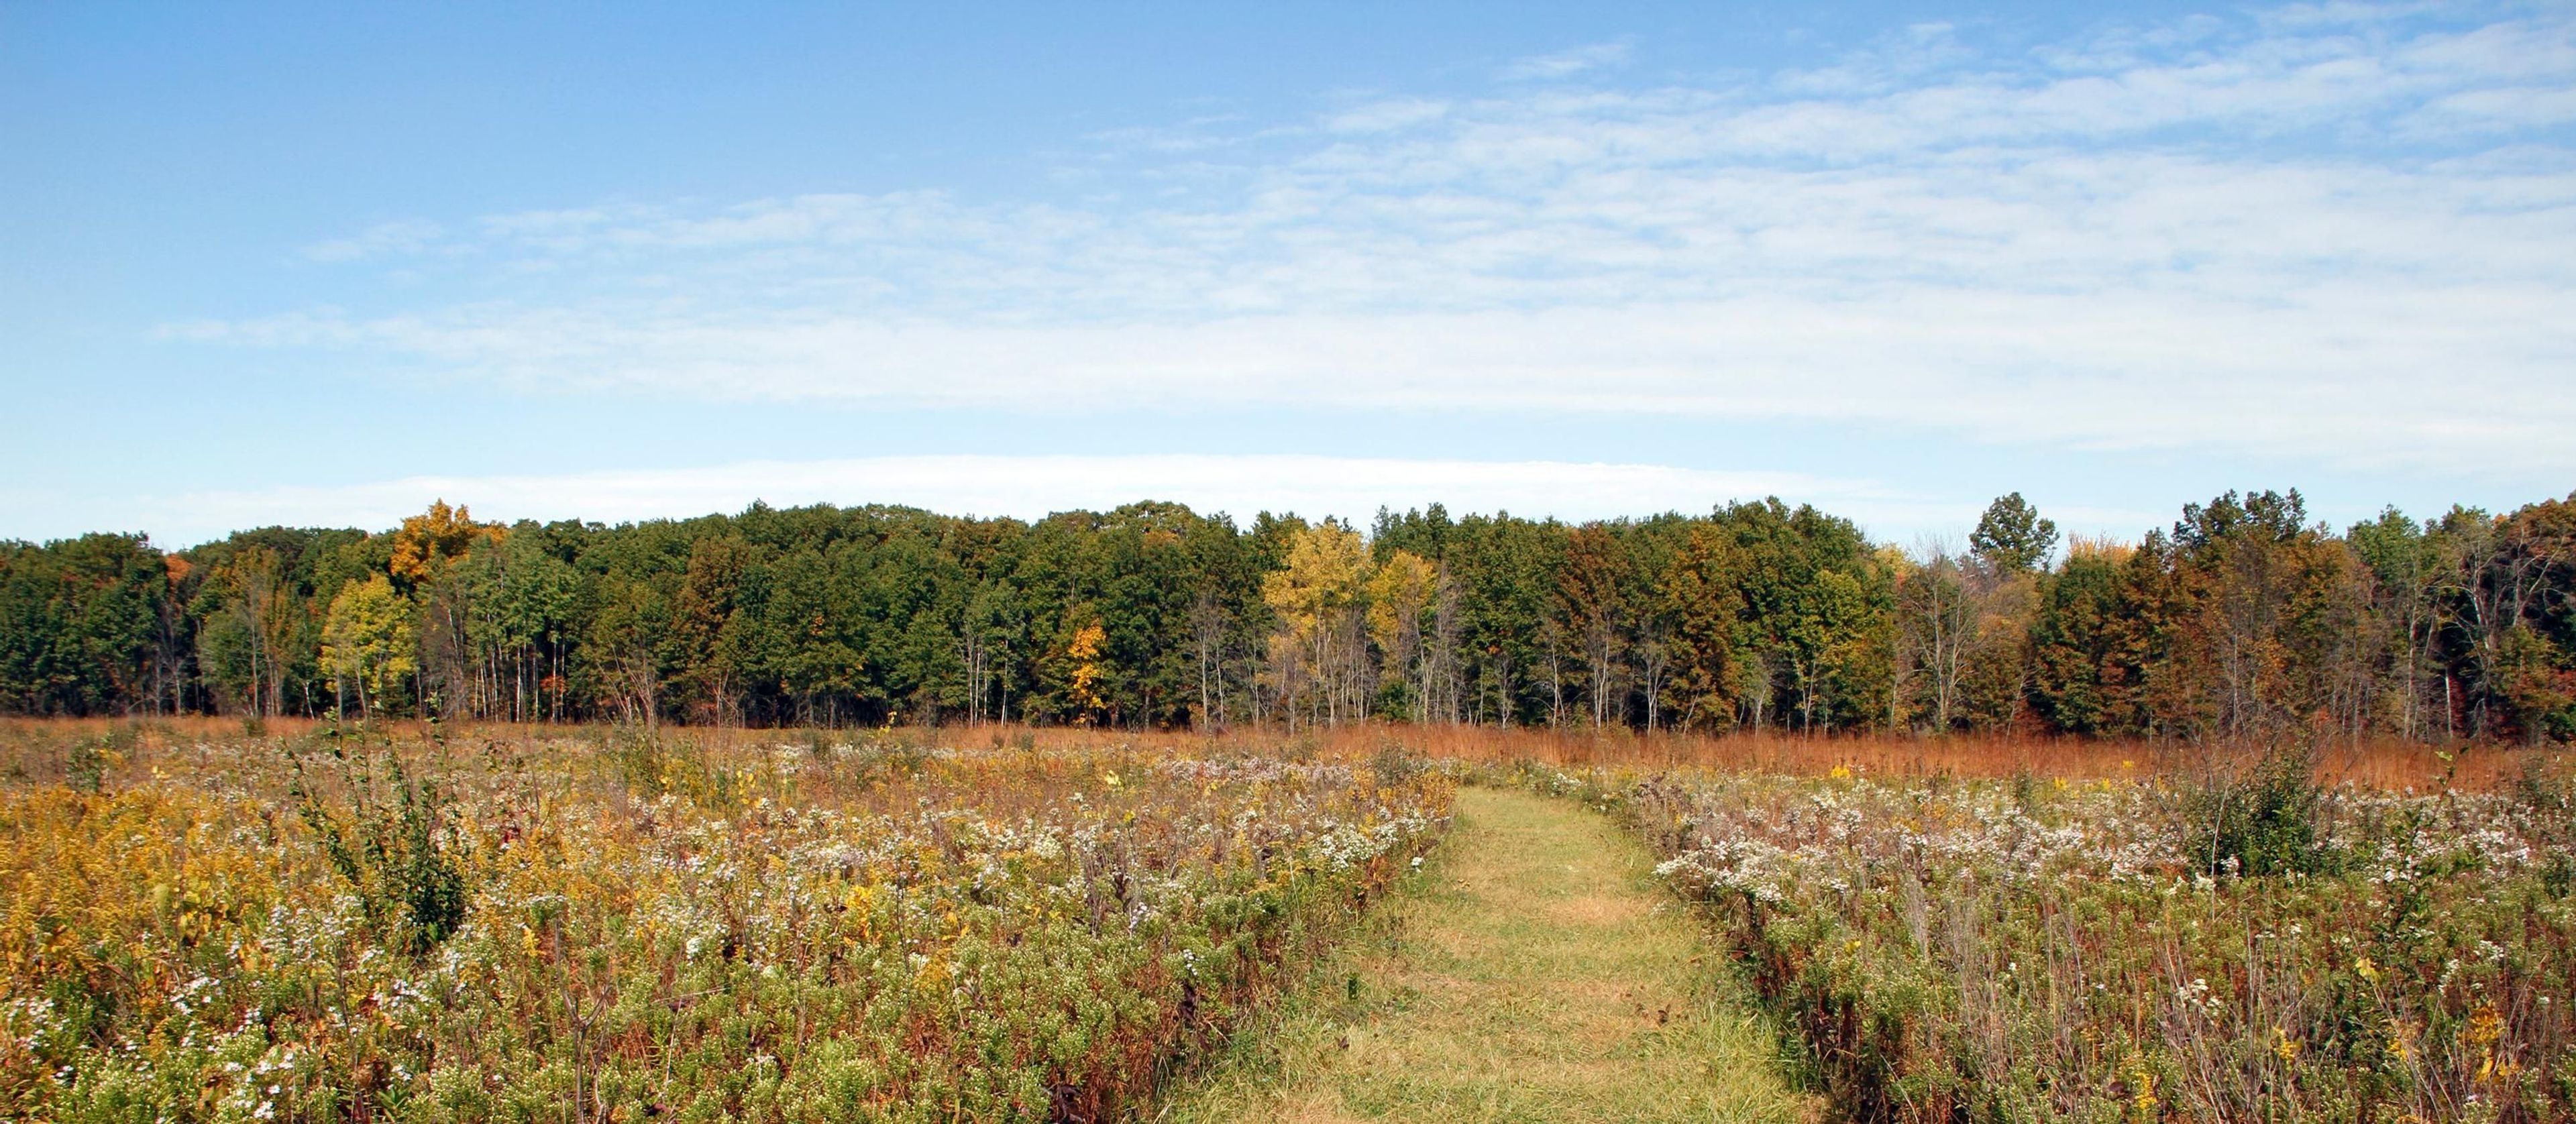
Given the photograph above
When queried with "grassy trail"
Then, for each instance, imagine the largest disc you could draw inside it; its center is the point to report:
(1532, 972)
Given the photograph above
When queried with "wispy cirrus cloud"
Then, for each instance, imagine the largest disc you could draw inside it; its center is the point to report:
(1567, 63)
(404, 236)
(2336, 234)
(1388, 116)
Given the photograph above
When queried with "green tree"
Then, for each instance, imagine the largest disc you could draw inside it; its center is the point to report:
(2011, 535)
(1814, 615)
(1702, 590)
(2404, 562)
(81, 625)
(249, 633)
(2087, 651)
(1593, 599)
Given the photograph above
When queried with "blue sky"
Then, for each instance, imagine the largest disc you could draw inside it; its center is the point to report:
(317, 265)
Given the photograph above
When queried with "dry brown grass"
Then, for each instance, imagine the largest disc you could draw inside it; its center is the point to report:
(2376, 762)
(2385, 763)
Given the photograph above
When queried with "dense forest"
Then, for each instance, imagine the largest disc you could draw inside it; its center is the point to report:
(2243, 616)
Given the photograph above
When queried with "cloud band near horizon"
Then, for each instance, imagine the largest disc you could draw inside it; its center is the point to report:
(1031, 487)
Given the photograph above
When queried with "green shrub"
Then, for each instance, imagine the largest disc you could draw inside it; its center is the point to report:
(395, 853)
(85, 767)
(2262, 822)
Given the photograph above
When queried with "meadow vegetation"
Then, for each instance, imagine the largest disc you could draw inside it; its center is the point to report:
(339, 923)
(285, 919)
(2233, 941)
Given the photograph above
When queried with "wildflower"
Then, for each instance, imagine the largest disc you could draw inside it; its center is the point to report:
(2485, 1027)
(2365, 969)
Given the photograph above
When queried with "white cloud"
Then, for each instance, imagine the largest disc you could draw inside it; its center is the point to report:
(1032, 486)
(1387, 116)
(1566, 63)
(406, 236)
(2339, 375)
(2338, 235)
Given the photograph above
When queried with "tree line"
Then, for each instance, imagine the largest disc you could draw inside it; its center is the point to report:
(2243, 616)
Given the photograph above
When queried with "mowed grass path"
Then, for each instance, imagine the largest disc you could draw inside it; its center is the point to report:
(1533, 971)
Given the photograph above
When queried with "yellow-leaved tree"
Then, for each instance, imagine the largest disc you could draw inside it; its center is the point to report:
(1399, 596)
(367, 642)
(1319, 659)
(1082, 654)
(427, 542)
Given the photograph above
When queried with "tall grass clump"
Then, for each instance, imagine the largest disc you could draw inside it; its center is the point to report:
(389, 840)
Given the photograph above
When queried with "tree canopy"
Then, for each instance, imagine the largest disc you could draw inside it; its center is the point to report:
(2242, 616)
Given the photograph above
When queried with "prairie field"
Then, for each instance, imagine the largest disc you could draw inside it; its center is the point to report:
(289, 920)
(621, 925)
(2246, 944)
(1184, 563)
